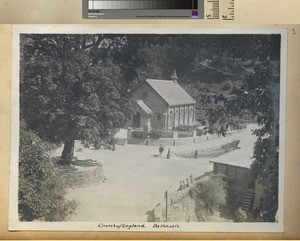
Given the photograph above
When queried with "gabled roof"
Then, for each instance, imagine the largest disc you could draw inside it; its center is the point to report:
(243, 156)
(235, 158)
(171, 92)
(144, 107)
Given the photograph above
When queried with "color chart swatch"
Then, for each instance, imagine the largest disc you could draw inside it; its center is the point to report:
(140, 4)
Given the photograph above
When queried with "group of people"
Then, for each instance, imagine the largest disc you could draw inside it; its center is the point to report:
(161, 149)
(186, 183)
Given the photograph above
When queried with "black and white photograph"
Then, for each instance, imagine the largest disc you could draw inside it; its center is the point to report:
(148, 130)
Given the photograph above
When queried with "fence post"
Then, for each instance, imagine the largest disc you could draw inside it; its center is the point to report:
(166, 196)
(129, 130)
(175, 136)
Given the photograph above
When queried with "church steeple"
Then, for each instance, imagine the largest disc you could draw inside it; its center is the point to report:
(174, 76)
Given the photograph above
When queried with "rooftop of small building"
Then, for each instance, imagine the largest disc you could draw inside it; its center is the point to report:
(235, 158)
(241, 157)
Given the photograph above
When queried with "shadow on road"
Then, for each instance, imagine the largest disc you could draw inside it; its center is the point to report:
(150, 217)
(85, 163)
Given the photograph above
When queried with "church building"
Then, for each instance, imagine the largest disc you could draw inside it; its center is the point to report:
(162, 104)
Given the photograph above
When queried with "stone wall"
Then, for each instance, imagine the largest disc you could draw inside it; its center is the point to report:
(175, 141)
(81, 175)
(184, 141)
(163, 141)
(181, 208)
(168, 141)
(212, 151)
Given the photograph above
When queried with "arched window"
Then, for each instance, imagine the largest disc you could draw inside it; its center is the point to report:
(181, 115)
(191, 116)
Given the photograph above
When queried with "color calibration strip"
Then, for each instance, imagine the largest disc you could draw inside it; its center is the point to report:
(158, 9)
(140, 4)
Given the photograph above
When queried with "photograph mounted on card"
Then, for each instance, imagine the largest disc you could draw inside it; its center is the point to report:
(157, 129)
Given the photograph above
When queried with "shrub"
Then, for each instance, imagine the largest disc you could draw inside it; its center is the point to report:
(202, 132)
(41, 192)
(210, 193)
(226, 86)
(240, 215)
(139, 134)
(153, 134)
(185, 134)
(186, 128)
(156, 134)
(166, 134)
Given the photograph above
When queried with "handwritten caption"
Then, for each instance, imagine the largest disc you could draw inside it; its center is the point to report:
(129, 226)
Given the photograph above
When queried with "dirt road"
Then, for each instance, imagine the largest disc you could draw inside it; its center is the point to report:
(136, 181)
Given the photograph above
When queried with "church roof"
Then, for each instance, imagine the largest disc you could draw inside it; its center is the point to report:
(144, 107)
(171, 92)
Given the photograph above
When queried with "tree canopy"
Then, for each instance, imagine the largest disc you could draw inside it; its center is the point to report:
(70, 93)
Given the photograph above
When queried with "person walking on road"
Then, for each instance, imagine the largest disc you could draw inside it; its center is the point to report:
(169, 154)
(161, 150)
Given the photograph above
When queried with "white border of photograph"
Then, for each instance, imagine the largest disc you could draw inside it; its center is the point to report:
(15, 224)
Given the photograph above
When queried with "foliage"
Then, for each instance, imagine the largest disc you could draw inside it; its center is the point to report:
(240, 215)
(153, 134)
(185, 134)
(202, 132)
(210, 194)
(156, 134)
(41, 192)
(187, 131)
(139, 134)
(72, 88)
(266, 167)
(259, 96)
(187, 128)
(164, 133)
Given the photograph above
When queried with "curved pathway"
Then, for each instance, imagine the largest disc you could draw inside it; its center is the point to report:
(136, 180)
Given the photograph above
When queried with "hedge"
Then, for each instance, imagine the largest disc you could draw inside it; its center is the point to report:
(185, 134)
(186, 128)
(153, 134)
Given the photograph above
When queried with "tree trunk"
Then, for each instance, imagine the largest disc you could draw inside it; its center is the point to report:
(68, 152)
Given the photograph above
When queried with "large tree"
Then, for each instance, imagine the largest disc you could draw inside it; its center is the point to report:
(259, 95)
(71, 89)
(258, 98)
